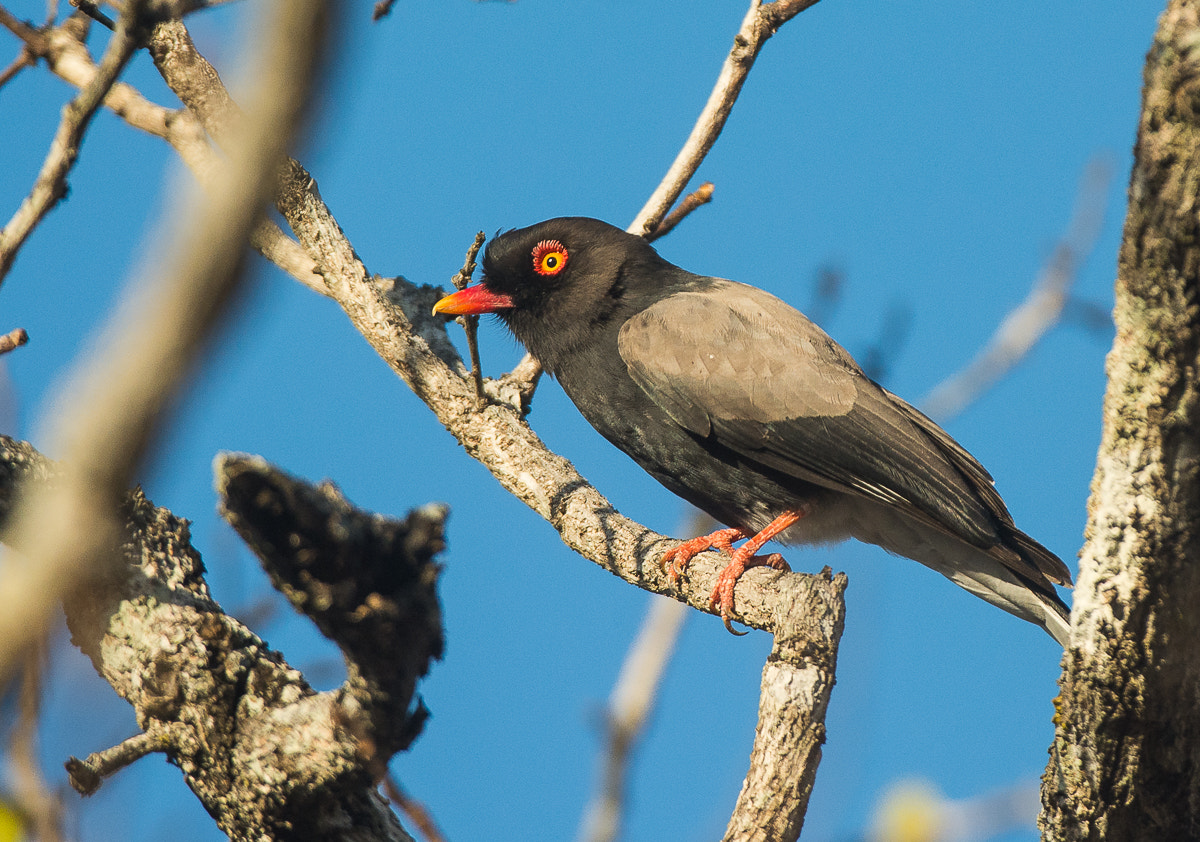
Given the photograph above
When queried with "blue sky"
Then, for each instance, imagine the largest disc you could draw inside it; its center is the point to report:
(931, 153)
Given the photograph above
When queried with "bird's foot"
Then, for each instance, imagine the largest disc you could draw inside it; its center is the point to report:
(742, 560)
(676, 559)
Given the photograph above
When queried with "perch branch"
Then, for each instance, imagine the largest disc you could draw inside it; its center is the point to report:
(394, 316)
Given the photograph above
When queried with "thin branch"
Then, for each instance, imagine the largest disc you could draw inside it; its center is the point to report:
(702, 195)
(86, 775)
(471, 323)
(1041, 310)
(414, 810)
(23, 60)
(116, 402)
(12, 340)
(629, 709)
(68, 58)
(760, 23)
(51, 183)
(92, 10)
(382, 9)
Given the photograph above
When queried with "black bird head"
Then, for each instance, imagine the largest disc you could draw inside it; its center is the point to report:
(559, 282)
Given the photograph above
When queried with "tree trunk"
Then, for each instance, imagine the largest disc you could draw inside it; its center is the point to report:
(1125, 763)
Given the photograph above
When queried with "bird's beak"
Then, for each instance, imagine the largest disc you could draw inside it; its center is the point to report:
(472, 301)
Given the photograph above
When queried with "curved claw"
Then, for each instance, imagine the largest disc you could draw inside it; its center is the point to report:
(729, 628)
(722, 593)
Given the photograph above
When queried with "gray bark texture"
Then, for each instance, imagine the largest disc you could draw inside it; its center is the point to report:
(268, 757)
(1125, 764)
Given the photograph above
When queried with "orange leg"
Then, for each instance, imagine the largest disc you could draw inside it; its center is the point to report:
(741, 559)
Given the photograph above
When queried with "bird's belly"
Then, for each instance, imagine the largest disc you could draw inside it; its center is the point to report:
(728, 486)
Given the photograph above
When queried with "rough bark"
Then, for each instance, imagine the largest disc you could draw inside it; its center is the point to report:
(1125, 763)
(267, 756)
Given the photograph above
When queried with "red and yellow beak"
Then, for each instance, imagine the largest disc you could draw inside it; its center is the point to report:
(472, 301)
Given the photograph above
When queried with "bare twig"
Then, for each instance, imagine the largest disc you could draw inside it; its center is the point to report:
(702, 195)
(92, 10)
(760, 23)
(68, 59)
(471, 323)
(12, 340)
(416, 812)
(23, 60)
(629, 709)
(1021, 330)
(86, 775)
(116, 402)
(51, 183)
(382, 9)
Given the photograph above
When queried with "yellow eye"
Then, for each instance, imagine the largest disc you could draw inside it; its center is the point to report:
(549, 257)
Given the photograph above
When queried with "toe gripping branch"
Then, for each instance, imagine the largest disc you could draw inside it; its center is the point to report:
(676, 559)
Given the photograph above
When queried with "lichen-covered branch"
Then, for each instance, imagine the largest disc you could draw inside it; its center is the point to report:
(115, 401)
(1125, 764)
(266, 755)
(360, 578)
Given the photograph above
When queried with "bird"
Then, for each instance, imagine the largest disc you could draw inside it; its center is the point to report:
(735, 401)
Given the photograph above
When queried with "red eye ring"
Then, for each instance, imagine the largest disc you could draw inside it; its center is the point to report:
(549, 257)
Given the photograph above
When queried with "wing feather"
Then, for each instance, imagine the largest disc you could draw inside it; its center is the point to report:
(736, 364)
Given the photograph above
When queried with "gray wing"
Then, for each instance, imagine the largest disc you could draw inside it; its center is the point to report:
(734, 364)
